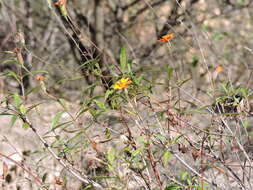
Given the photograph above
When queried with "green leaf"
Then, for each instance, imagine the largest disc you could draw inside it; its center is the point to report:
(170, 72)
(131, 112)
(111, 156)
(224, 86)
(160, 137)
(8, 61)
(62, 102)
(67, 123)
(36, 88)
(56, 119)
(195, 61)
(13, 120)
(180, 83)
(17, 99)
(166, 158)
(95, 113)
(123, 60)
(205, 27)
(218, 36)
(83, 110)
(12, 74)
(175, 139)
(111, 159)
(22, 109)
(90, 87)
(184, 175)
(87, 64)
(137, 151)
(40, 71)
(107, 133)
(44, 177)
(231, 113)
(4, 113)
(129, 66)
(108, 93)
(25, 126)
(172, 187)
(101, 105)
(88, 187)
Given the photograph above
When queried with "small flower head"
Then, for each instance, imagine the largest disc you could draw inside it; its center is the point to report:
(166, 38)
(60, 3)
(219, 69)
(40, 78)
(122, 83)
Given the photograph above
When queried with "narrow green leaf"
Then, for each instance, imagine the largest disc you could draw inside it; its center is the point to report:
(101, 105)
(3, 113)
(44, 177)
(12, 74)
(13, 120)
(172, 187)
(180, 83)
(29, 91)
(231, 113)
(40, 71)
(83, 110)
(108, 93)
(67, 123)
(174, 140)
(123, 60)
(137, 151)
(111, 159)
(88, 187)
(224, 86)
(86, 64)
(56, 119)
(170, 72)
(62, 102)
(132, 112)
(8, 61)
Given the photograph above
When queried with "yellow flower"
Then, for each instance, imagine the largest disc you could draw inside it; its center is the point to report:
(122, 83)
(219, 69)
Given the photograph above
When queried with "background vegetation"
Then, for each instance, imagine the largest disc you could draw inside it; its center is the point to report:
(180, 119)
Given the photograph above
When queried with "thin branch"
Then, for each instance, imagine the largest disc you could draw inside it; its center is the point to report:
(37, 179)
(67, 166)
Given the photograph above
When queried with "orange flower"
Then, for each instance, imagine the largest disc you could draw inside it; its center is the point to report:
(60, 2)
(122, 83)
(40, 78)
(219, 69)
(166, 38)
